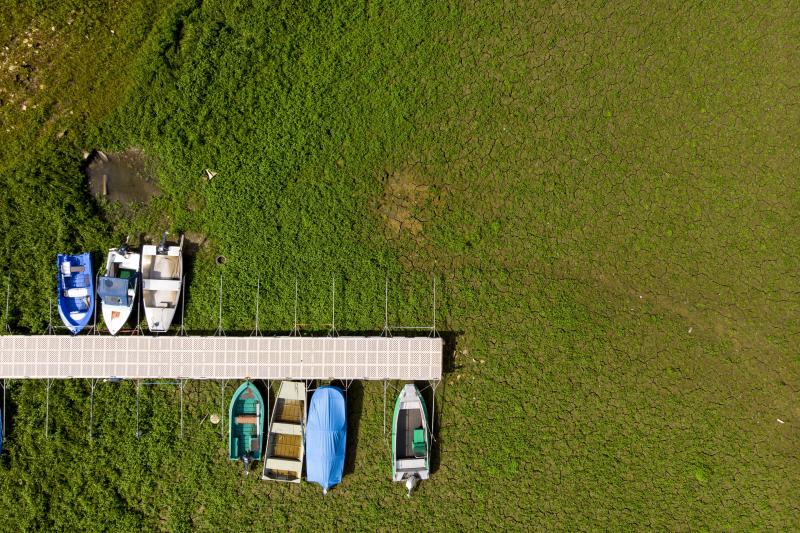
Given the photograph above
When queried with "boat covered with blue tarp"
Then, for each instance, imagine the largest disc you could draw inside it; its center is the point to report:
(326, 437)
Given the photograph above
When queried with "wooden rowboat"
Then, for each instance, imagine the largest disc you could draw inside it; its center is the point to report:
(246, 416)
(285, 445)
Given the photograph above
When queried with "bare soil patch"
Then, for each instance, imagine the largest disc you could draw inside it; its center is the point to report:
(403, 196)
(125, 177)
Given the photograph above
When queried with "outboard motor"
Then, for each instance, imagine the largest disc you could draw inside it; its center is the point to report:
(124, 249)
(162, 248)
(246, 461)
(411, 483)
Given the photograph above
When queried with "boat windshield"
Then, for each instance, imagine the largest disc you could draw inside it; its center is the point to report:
(113, 291)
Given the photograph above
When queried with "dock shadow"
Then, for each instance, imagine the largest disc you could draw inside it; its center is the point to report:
(354, 396)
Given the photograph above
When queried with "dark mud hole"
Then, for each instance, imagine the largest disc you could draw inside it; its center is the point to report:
(125, 177)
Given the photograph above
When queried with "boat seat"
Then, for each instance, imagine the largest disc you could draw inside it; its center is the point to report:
(410, 464)
(78, 292)
(161, 285)
(78, 282)
(283, 464)
(67, 269)
(287, 429)
(245, 419)
(420, 448)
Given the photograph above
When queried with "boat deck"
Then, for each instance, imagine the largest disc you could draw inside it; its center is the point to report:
(290, 411)
(285, 446)
(407, 421)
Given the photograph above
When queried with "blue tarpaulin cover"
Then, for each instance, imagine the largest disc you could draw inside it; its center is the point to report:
(113, 291)
(326, 437)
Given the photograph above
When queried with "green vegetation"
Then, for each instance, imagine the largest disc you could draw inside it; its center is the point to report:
(606, 194)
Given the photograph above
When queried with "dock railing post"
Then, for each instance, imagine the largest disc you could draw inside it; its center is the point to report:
(92, 385)
(295, 327)
(51, 330)
(181, 384)
(182, 329)
(332, 332)
(47, 384)
(138, 391)
(8, 297)
(220, 331)
(257, 331)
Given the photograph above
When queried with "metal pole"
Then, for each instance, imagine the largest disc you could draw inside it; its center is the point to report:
(257, 331)
(94, 308)
(138, 328)
(295, 330)
(434, 306)
(5, 410)
(333, 332)
(182, 329)
(385, 385)
(222, 410)
(50, 329)
(138, 388)
(433, 410)
(47, 384)
(386, 330)
(269, 391)
(8, 295)
(220, 331)
(92, 385)
(182, 383)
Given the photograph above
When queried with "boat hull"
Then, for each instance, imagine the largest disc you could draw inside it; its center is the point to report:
(410, 436)
(285, 448)
(162, 275)
(246, 420)
(75, 290)
(117, 307)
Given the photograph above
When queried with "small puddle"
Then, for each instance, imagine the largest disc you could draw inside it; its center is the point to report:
(123, 177)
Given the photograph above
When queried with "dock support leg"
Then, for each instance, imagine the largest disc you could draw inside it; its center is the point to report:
(47, 384)
(138, 390)
(92, 385)
(181, 384)
(222, 409)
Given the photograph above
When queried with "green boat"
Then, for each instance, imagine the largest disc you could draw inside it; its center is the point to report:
(410, 438)
(246, 418)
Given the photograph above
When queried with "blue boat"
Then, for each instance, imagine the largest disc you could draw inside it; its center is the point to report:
(75, 290)
(326, 437)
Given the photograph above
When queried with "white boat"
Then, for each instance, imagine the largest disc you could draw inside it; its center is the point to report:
(162, 272)
(410, 439)
(285, 445)
(117, 288)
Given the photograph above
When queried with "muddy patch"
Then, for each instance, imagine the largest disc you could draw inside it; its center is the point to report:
(125, 178)
(403, 197)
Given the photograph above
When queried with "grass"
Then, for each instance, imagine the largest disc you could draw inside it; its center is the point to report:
(605, 194)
